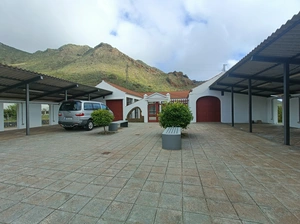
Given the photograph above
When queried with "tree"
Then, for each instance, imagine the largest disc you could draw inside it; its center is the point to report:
(102, 118)
(11, 112)
(175, 115)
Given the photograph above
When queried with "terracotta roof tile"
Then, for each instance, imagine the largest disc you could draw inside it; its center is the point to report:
(128, 91)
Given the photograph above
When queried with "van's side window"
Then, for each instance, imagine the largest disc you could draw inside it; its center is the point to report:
(96, 106)
(104, 107)
(88, 106)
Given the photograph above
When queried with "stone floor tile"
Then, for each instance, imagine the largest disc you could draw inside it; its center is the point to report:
(165, 216)
(217, 220)
(290, 201)
(265, 199)
(191, 180)
(127, 195)
(38, 197)
(141, 175)
(192, 191)
(58, 175)
(148, 199)
(11, 190)
(58, 185)
(86, 178)
(42, 183)
(117, 182)
(210, 182)
(125, 174)
(216, 193)
(102, 180)
(239, 196)
(95, 207)
(73, 188)
(254, 162)
(110, 172)
(58, 217)
(35, 215)
(117, 211)
(108, 193)
(83, 219)
(171, 178)
(249, 212)
(153, 186)
(195, 205)
(22, 194)
(5, 204)
(90, 190)
(75, 204)
(156, 176)
(189, 217)
(190, 172)
(280, 215)
(297, 213)
(56, 200)
(14, 212)
(134, 183)
(142, 214)
(221, 209)
(159, 169)
(169, 201)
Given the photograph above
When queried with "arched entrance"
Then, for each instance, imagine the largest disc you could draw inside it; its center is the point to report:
(208, 109)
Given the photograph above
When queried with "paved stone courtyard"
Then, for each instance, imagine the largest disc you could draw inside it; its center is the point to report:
(222, 175)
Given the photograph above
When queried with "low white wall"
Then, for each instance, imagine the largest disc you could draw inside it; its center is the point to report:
(142, 104)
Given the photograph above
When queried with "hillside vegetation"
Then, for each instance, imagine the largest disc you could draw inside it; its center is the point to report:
(89, 66)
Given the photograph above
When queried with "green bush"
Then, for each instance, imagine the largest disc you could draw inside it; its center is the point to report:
(102, 118)
(175, 115)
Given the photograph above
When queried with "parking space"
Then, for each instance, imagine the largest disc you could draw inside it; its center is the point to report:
(222, 175)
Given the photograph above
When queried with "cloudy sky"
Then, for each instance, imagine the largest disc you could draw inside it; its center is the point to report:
(193, 36)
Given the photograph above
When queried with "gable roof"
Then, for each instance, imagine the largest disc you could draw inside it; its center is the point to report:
(173, 94)
(128, 91)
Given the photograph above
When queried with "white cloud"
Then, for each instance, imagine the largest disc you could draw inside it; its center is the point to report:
(194, 36)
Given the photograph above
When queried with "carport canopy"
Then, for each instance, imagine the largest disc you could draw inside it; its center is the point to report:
(42, 87)
(272, 69)
(19, 84)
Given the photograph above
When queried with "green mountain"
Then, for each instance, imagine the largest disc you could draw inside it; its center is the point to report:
(89, 66)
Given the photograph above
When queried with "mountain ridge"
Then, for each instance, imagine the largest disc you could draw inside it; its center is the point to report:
(89, 66)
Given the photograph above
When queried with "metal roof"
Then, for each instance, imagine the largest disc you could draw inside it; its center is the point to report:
(42, 87)
(265, 64)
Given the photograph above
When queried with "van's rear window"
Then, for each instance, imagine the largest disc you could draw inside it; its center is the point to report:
(70, 106)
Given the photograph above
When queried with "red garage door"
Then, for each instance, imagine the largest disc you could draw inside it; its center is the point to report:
(208, 109)
(117, 107)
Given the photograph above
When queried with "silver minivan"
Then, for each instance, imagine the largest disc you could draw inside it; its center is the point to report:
(77, 113)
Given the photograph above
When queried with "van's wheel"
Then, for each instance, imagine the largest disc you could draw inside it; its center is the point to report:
(89, 126)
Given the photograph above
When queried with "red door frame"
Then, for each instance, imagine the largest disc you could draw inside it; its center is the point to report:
(153, 110)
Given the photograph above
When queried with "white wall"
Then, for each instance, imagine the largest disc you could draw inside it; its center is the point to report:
(53, 114)
(1, 117)
(241, 104)
(294, 113)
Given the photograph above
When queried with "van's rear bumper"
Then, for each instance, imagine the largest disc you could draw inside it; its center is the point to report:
(72, 124)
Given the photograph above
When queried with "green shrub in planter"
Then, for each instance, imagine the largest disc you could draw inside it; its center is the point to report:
(102, 118)
(175, 115)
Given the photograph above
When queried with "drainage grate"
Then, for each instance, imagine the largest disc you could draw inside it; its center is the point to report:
(105, 153)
